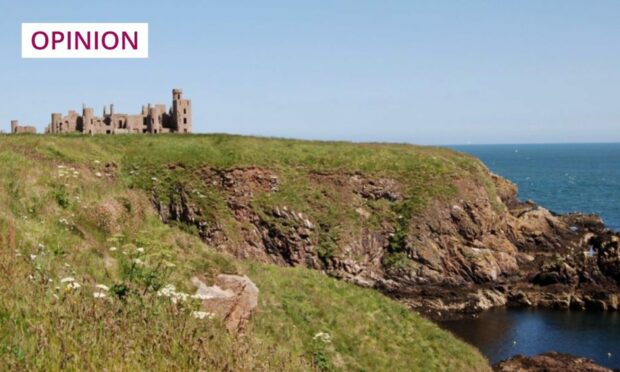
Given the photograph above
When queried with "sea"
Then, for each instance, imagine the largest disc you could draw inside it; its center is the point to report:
(563, 178)
(560, 177)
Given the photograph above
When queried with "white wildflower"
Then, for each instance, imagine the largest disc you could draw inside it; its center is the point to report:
(98, 174)
(73, 285)
(167, 291)
(99, 295)
(103, 287)
(33, 257)
(97, 162)
(323, 337)
(68, 279)
(202, 315)
(154, 179)
(112, 249)
(138, 261)
(140, 250)
(171, 292)
(201, 296)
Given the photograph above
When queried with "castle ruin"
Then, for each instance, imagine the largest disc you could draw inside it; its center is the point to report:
(16, 128)
(153, 119)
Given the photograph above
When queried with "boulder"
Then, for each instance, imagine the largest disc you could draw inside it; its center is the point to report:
(551, 361)
(232, 298)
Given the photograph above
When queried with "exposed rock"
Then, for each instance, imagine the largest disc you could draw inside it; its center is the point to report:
(232, 298)
(452, 257)
(549, 362)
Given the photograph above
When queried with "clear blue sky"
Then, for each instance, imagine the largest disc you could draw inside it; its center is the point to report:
(429, 72)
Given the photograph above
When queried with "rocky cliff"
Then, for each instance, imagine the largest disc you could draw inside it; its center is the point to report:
(468, 250)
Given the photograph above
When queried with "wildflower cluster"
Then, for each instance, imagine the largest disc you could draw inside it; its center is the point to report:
(67, 172)
(323, 337)
(175, 296)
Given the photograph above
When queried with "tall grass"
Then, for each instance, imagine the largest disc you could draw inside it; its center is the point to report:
(78, 207)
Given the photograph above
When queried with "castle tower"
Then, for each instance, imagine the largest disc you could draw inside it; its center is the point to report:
(181, 112)
(55, 125)
(156, 118)
(14, 125)
(88, 120)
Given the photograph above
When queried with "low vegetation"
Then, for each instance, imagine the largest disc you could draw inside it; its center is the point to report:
(84, 258)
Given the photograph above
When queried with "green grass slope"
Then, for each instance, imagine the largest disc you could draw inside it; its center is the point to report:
(76, 216)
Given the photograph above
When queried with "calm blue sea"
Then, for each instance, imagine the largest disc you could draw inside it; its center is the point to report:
(560, 177)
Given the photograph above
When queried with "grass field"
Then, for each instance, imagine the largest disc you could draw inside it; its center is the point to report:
(76, 218)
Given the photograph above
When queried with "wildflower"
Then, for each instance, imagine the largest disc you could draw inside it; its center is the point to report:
(68, 279)
(140, 250)
(201, 296)
(73, 285)
(33, 257)
(138, 261)
(167, 291)
(97, 162)
(323, 337)
(112, 249)
(103, 287)
(202, 315)
(99, 295)
(171, 292)
(154, 179)
(41, 246)
(98, 174)
(61, 166)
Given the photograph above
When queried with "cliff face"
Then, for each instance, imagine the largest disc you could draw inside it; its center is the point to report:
(476, 248)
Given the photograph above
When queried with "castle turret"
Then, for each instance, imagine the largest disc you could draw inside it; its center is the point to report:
(181, 112)
(14, 125)
(88, 120)
(56, 120)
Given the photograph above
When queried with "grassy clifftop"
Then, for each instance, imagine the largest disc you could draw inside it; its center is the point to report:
(80, 209)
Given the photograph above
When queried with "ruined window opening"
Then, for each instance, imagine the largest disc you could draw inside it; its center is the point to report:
(184, 120)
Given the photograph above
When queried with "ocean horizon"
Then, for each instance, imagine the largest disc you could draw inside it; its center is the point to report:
(562, 177)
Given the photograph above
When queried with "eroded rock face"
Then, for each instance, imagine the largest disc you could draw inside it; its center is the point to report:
(460, 255)
(232, 298)
(551, 362)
